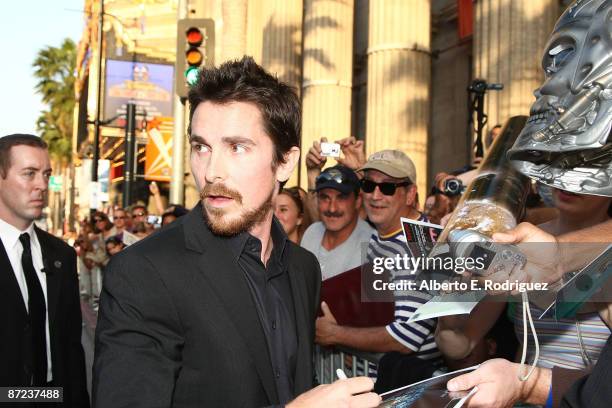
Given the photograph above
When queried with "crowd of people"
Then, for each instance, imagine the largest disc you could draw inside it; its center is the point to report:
(222, 307)
(357, 204)
(361, 201)
(106, 233)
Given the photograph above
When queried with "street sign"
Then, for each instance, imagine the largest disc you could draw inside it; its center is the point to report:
(55, 184)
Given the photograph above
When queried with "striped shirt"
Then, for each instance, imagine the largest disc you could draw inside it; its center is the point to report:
(417, 336)
(560, 341)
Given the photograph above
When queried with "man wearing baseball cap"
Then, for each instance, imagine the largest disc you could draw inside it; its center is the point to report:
(338, 236)
(389, 193)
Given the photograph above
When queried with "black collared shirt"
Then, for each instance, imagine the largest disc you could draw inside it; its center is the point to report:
(271, 291)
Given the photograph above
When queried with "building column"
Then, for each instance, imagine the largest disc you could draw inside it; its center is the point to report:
(281, 24)
(327, 73)
(509, 38)
(399, 63)
(282, 40)
(360, 69)
(234, 37)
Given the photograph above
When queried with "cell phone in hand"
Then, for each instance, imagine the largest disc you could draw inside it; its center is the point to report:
(330, 149)
(154, 219)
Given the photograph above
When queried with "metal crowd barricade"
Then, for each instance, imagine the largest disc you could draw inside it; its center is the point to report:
(327, 360)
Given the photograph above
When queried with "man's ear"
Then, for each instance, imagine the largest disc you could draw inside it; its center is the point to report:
(284, 170)
(411, 195)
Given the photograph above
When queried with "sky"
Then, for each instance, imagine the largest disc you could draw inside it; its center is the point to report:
(25, 28)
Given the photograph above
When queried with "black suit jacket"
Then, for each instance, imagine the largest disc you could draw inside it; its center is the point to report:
(178, 327)
(65, 324)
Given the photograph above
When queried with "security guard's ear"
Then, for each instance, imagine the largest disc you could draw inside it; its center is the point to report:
(284, 170)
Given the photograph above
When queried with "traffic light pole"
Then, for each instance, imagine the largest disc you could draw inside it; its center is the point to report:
(128, 166)
(96, 155)
(177, 181)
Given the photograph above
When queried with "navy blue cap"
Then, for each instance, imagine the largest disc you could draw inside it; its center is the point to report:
(339, 178)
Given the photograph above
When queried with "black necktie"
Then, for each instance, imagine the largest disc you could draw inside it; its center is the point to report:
(37, 314)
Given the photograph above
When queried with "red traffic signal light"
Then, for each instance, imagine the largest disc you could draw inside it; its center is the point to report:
(194, 36)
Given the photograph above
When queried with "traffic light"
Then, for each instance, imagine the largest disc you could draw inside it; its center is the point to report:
(195, 41)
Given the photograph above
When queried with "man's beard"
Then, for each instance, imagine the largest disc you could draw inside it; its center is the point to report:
(214, 217)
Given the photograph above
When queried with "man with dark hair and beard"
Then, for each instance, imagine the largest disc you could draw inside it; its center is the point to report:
(218, 308)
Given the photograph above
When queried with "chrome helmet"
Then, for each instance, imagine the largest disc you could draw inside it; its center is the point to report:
(566, 141)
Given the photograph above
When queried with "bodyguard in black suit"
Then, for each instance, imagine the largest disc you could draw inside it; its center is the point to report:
(40, 340)
(218, 309)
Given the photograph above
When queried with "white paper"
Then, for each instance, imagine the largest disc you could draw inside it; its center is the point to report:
(447, 305)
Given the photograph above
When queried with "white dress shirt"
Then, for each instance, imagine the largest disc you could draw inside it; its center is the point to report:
(9, 235)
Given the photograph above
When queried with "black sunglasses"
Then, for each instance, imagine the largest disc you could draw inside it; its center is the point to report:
(387, 188)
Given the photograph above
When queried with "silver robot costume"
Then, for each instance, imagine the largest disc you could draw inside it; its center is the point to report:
(566, 142)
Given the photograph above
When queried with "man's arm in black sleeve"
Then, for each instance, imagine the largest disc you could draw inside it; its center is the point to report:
(76, 357)
(138, 337)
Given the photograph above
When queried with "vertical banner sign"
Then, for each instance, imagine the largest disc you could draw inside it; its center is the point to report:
(158, 153)
(465, 11)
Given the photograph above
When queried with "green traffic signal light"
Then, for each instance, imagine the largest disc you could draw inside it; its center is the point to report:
(191, 76)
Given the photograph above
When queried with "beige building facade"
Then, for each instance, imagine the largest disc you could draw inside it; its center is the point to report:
(393, 73)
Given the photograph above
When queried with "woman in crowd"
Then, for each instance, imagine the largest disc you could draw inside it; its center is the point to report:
(89, 268)
(114, 245)
(569, 343)
(103, 226)
(289, 209)
(441, 201)
(575, 342)
(309, 215)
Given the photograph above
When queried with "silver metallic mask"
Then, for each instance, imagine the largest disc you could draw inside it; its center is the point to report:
(566, 142)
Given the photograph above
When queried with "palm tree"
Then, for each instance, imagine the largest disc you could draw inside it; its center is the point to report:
(54, 69)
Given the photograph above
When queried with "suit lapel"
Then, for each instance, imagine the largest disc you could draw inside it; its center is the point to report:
(9, 281)
(304, 357)
(222, 273)
(52, 267)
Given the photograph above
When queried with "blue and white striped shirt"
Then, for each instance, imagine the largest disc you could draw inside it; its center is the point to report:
(416, 336)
